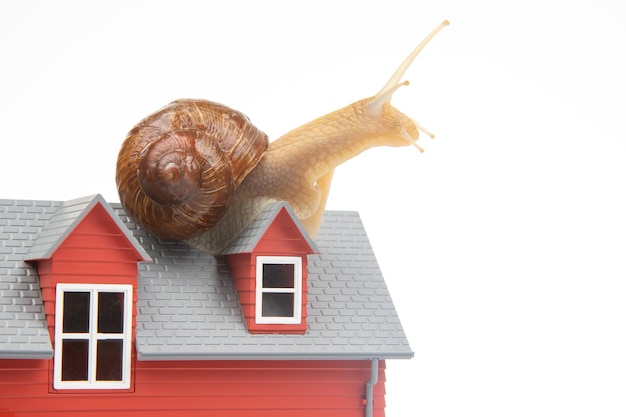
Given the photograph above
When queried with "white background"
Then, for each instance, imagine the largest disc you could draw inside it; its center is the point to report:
(503, 244)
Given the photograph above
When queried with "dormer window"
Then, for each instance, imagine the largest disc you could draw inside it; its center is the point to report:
(93, 336)
(278, 290)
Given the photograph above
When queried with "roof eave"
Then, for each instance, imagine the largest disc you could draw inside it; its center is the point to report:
(288, 356)
(21, 354)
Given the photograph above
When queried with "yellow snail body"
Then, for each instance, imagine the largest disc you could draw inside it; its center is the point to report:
(296, 168)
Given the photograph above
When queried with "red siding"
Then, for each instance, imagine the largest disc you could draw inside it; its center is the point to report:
(243, 271)
(226, 388)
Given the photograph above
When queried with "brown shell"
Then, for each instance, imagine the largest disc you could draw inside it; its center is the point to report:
(178, 167)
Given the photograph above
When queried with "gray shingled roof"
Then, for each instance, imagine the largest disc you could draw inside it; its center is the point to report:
(188, 306)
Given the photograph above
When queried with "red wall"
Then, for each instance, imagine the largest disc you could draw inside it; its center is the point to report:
(203, 388)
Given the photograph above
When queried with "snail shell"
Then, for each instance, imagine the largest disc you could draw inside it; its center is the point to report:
(178, 167)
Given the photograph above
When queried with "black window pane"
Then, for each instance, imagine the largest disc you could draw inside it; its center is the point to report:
(74, 361)
(277, 305)
(76, 312)
(278, 276)
(109, 363)
(111, 312)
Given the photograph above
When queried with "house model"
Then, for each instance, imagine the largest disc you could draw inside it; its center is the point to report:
(98, 317)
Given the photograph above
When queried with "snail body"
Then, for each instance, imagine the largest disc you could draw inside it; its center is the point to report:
(296, 168)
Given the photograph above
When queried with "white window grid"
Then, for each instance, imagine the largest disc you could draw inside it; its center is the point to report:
(296, 290)
(93, 336)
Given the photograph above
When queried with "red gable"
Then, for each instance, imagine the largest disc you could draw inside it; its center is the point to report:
(284, 237)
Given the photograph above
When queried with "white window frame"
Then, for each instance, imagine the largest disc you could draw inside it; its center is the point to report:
(93, 336)
(296, 290)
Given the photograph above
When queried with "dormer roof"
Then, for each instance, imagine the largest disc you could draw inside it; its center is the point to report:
(66, 218)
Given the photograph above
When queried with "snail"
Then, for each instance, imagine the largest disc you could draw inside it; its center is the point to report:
(199, 171)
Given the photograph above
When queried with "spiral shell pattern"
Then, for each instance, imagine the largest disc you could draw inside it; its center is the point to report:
(177, 168)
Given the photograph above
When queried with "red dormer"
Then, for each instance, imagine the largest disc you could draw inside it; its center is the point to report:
(269, 267)
(87, 266)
